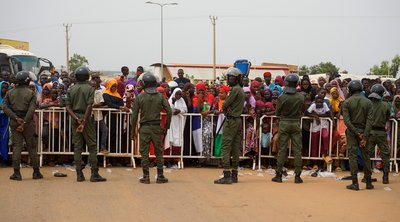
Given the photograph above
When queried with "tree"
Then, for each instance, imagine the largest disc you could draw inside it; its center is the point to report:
(324, 67)
(77, 60)
(387, 69)
(304, 70)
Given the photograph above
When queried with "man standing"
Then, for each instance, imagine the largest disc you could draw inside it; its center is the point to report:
(20, 104)
(231, 136)
(356, 110)
(267, 81)
(376, 128)
(149, 104)
(181, 80)
(79, 103)
(289, 109)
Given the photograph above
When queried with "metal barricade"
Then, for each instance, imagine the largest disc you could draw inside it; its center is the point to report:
(309, 156)
(167, 150)
(393, 123)
(117, 125)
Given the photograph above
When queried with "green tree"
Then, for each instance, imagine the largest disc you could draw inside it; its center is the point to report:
(77, 60)
(324, 67)
(304, 70)
(387, 69)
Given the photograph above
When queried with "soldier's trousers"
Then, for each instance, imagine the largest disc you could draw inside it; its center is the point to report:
(289, 130)
(380, 141)
(231, 142)
(18, 139)
(352, 145)
(146, 135)
(89, 137)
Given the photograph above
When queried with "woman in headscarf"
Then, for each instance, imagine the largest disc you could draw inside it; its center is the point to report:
(129, 96)
(4, 121)
(249, 101)
(335, 101)
(335, 83)
(174, 139)
(305, 86)
(223, 93)
(203, 103)
(255, 87)
(114, 100)
(267, 95)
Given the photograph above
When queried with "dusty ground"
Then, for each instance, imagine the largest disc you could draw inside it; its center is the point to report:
(192, 196)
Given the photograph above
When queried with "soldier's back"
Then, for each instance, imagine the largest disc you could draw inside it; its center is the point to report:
(20, 98)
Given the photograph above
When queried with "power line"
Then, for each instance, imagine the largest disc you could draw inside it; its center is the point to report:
(203, 17)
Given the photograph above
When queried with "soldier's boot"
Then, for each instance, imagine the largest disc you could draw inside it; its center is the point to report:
(227, 179)
(278, 177)
(79, 175)
(146, 177)
(95, 176)
(234, 176)
(369, 183)
(16, 175)
(160, 176)
(385, 178)
(297, 178)
(36, 174)
(354, 184)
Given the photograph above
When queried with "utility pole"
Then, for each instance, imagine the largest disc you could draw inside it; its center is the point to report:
(67, 27)
(213, 22)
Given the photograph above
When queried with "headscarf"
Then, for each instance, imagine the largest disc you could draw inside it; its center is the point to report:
(341, 94)
(280, 80)
(201, 85)
(270, 105)
(270, 94)
(47, 86)
(335, 102)
(129, 87)
(260, 104)
(395, 108)
(224, 88)
(252, 100)
(109, 84)
(180, 103)
(162, 90)
(1, 85)
(267, 74)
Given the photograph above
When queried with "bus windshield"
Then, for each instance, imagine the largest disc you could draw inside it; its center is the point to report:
(29, 63)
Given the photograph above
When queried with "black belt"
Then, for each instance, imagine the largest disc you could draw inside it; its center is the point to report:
(233, 117)
(379, 128)
(20, 114)
(151, 123)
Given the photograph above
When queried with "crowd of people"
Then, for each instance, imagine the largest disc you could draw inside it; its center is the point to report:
(323, 98)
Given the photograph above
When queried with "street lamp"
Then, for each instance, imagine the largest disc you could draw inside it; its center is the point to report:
(162, 32)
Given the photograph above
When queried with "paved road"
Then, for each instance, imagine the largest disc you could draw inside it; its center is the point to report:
(191, 196)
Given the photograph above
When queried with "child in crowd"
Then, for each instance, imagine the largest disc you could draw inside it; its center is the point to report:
(319, 128)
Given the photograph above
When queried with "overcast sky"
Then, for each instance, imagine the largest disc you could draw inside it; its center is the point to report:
(353, 34)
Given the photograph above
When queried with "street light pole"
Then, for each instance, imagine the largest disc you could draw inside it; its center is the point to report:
(162, 31)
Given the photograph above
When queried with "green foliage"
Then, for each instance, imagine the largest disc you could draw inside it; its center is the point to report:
(387, 69)
(77, 60)
(304, 70)
(323, 67)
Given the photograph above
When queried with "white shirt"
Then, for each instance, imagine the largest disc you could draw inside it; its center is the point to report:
(315, 127)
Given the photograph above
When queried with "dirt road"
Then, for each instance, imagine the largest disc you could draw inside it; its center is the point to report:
(192, 196)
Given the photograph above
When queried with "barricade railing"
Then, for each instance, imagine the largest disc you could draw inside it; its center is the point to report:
(273, 122)
(392, 137)
(193, 146)
(53, 129)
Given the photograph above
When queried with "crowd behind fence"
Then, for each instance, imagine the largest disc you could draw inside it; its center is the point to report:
(55, 138)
